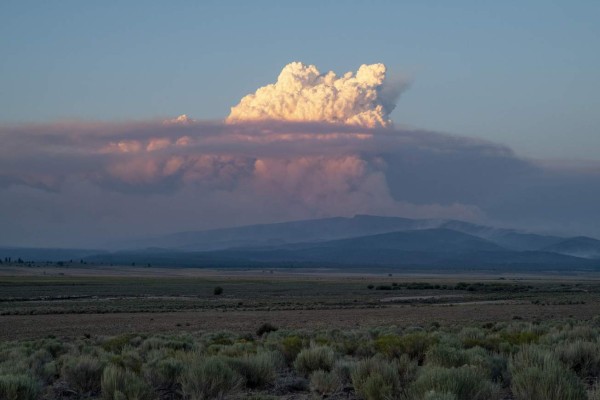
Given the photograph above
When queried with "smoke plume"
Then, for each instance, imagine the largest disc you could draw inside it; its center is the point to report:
(302, 93)
(308, 146)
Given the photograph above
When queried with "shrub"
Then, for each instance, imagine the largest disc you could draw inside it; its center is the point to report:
(49, 372)
(41, 364)
(520, 337)
(220, 338)
(235, 350)
(465, 383)
(53, 346)
(324, 383)
(343, 370)
(406, 368)
(258, 370)
(37, 360)
(209, 378)
(375, 387)
(538, 374)
(498, 370)
(414, 344)
(172, 343)
(164, 374)
(313, 359)
(121, 384)
(218, 290)
(582, 357)
(594, 392)
(446, 356)
(290, 347)
(433, 395)
(18, 387)
(265, 328)
(375, 379)
(82, 373)
(128, 359)
(116, 344)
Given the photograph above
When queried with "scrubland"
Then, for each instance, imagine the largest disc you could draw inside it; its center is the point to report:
(369, 337)
(504, 360)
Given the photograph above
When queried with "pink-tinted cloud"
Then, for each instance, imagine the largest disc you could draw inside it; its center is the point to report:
(152, 177)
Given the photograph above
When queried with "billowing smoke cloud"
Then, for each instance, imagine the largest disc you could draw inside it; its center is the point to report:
(302, 93)
(63, 183)
(309, 146)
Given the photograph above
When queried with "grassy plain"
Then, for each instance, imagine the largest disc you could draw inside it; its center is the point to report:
(150, 333)
(36, 302)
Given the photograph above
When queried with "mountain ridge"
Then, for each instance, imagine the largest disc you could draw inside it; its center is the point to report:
(362, 240)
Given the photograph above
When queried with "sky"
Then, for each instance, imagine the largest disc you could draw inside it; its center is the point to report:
(480, 111)
(523, 73)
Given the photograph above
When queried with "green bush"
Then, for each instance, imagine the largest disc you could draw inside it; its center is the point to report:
(520, 338)
(163, 374)
(218, 290)
(538, 374)
(37, 364)
(476, 337)
(116, 344)
(446, 356)
(433, 395)
(53, 346)
(313, 359)
(258, 370)
(170, 343)
(128, 359)
(82, 373)
(265, 328)
(121, 384)
(582, 357)
(376, 379)
(594, 392)
(18, 387)
(290, 347)
(49, 372)
(466, 383)
(406, 368)
(324, 383)
(209, 378)
(414, 344)
(343, 370)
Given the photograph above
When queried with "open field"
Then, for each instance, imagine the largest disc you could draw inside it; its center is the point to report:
(150, 333)
(36, 302)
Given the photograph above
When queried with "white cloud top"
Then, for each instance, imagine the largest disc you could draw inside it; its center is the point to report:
(302, 93)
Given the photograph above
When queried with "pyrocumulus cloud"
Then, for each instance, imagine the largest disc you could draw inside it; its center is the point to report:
(302, 93)
(310, 145)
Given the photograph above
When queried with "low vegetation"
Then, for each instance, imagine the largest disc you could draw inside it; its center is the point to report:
(515, 359)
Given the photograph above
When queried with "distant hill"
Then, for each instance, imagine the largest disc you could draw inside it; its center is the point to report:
(361, 241)
(280, 233)
(580, 246)
(415, 250)
(319, 230)
(509, 238)
(428, 240)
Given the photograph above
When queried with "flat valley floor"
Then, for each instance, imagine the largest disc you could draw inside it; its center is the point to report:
(37, 302)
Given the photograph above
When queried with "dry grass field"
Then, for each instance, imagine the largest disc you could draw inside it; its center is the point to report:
(124, 333)
(37, 302)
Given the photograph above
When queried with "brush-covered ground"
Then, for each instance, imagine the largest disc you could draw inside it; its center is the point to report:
(555, 360)
(148, 333)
